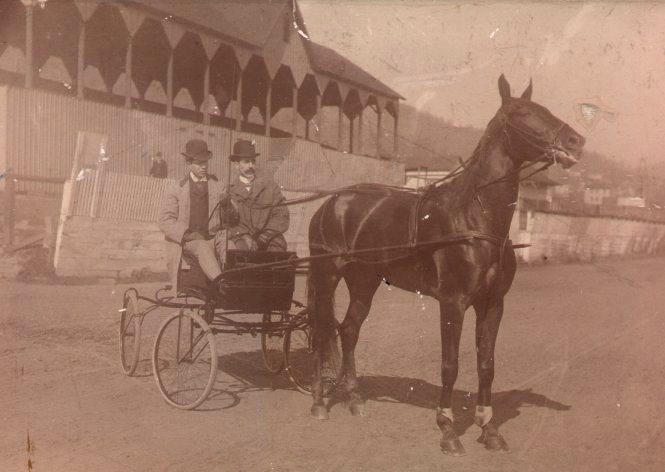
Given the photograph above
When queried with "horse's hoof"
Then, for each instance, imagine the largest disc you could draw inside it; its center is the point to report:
(492, 440)
(319, 412)
(357, 409)
(453, 447)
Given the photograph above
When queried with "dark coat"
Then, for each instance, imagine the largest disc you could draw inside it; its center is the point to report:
(265, 225)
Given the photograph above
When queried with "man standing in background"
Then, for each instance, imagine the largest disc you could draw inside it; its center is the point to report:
(159, 168)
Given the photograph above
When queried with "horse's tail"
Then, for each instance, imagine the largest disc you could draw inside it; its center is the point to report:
(315, 302)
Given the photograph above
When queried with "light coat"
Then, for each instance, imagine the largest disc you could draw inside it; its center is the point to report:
(174, 219)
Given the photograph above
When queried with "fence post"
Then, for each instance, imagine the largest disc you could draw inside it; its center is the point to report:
(10, 208)
(100, 175)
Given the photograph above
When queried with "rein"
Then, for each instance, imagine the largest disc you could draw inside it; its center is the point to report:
(548, 149)
(457, 238)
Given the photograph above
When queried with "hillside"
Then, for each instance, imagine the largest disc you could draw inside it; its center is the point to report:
(432, 142)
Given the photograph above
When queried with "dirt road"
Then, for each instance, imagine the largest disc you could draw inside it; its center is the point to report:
(579, 386)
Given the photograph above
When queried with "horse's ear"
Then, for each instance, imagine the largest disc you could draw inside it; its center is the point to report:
(504, 89)
(526, 95)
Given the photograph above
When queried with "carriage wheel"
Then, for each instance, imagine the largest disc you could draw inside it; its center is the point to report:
(184, 360)
(130, 332)
(272, 343)
(299, 359)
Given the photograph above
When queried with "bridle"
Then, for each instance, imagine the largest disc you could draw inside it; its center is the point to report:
(548, 149)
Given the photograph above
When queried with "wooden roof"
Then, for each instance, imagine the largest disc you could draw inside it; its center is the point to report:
(251, 24)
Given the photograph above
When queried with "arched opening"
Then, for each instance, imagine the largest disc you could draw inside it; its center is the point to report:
(106, 43)
(189, 64)
(151, 51)
(56, 30)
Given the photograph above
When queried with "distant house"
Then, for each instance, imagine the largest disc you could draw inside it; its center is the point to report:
(422, 176)
(638, 202)
(596, 193)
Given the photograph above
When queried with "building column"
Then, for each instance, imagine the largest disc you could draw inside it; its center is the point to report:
(395, 131)
(169, 86)
(239, 102)
(319, 118)
(268, 108)
(340, 119)
(29, 42)
(80, 65)
(379, 114)
(128, 73)
(359, 141)
(206, 94)
(294, 123)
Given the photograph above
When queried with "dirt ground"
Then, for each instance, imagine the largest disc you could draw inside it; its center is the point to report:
(579, 383)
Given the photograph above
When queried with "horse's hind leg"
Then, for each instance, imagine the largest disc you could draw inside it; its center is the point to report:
(488, 318)
(322, 282)
(362, 287)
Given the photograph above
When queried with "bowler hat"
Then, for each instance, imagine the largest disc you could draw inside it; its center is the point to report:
(197, 149)
(243, 149)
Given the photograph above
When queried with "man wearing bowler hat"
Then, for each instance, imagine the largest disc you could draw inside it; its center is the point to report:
(188, 216)
(257, 198)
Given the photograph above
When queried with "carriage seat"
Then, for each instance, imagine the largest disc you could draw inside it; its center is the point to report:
(261, 289)
(256, 291)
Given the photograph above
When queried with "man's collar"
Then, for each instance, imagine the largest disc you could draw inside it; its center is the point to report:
(195, 179)
(245, 180)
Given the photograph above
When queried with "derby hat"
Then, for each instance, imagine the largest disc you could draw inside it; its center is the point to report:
(243, 149)
(197, 150)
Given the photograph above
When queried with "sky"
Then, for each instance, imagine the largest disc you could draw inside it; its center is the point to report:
(598, 66)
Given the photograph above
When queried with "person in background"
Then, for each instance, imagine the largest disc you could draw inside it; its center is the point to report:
(159, 168)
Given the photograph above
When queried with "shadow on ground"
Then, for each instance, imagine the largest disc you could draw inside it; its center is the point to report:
(417, 392)
(249, 374)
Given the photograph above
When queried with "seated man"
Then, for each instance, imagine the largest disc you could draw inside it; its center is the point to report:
(185, 218)
(257, 199)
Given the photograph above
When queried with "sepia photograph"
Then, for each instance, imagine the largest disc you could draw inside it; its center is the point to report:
(332, 235)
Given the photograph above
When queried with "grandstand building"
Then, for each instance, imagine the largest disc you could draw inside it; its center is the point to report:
(151, 74)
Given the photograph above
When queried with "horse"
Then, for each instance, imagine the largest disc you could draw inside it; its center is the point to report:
(449, 242)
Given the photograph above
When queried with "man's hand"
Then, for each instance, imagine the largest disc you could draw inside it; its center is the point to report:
(249, 241)
(191, 236)
(228, 214)
(262, 240)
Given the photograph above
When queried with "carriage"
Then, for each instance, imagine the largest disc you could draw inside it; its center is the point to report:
(256, 298)
(450, 241)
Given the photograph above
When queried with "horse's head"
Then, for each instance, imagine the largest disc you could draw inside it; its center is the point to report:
(532, 133)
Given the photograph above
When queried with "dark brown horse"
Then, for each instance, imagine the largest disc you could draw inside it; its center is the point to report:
(425, 252)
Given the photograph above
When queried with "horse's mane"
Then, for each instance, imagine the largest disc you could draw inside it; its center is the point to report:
(443, 184)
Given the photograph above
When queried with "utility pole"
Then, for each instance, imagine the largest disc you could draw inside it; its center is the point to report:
(644, 181)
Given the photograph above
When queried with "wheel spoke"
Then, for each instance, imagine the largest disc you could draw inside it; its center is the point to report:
(184, 360)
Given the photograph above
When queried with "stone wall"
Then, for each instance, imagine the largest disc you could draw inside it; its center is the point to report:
(562, 238)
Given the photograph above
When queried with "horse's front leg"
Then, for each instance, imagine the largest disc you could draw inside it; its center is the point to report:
(452, 317)
(488, 318)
